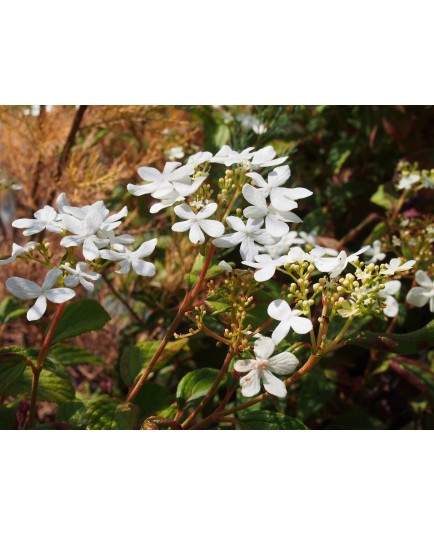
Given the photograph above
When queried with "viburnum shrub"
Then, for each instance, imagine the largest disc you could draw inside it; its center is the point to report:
(276, 299)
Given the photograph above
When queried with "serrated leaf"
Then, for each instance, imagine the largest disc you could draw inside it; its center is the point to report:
(314, 392)
(80, 317)
(106, 413)
(10, 309)
(270, 420)
(135, 359)
(12, 367)
(195, 384)
(71, 356)
(397, 343)
(52, 388)
(73, 413)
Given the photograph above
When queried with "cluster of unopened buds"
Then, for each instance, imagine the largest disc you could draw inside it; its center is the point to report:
(261, 230)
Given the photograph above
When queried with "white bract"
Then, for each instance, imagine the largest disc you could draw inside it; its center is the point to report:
(45, 218)
(246, 234)
(288, 318)
(133, 259)
(407, 182)
(174, 177)
(424, 293)
(79, 275)
(336, 265)
(282, 199)
(198, 224)
(266, 266)
(266, 157)
(396, 266)
(274, 219)
(17, 251)
(375, 252)
(228, 156)
(391, 305)
(29, 290)
(263, 367)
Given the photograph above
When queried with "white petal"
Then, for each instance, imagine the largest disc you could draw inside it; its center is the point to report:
(418, 296)
(423, 280)
(207, 211)
(23, 223)
(248, 249)
(72, 224)
(184, 212)
(51, 278)
(125, 267)
(301, 325)
(253, 196)
(140, 189)
(196, 235)
(391, 288)
(71, 280)
(281, 202)
(90, 251)
(212, 228)
(111, 255)
(59, 295)
(265, 273)
(228, 240)
(258, 180)
(145, 249)
(37, 310)
(273, 385)
(281, 331)
(23, 288)
(144, 268)
(86, 284)
(392, 307)
(182, 226)
(283, 363)
(250, 385)
(264, 347)
(244, 365)
(93, 221)
(275, 226)
(279, 310)
(236, 224)
(149, 174)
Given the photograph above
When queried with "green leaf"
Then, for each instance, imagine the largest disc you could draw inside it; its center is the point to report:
(70, 356)
(314, 392)
(12, 366)
(397, 343)
(106, 413)
(73, 413)
(269, 420)
(135, 359)
(10, 309)
(195, 384)
(80, 317)
(151, 399)
(385, 197)
(52, 388)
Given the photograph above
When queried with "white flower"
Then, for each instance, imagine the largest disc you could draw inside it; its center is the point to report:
(199, 158)
(17, 251)
(375, 252)
(406, 182)
(45, 218)
(246, 234)
(266, 266)
(296, 254)
(424, 293)
(28, 290)
(174, 153)
(85, 232)
(175, 197)
(396, 266)
(250, 122)
(161, 185)
(225, 266)
(262, 368)
(390, 289)
(280, 310)
(274, 219)
(336, 265)
(282, 246)
(318, 253)
(116, 242)
(282, 199)
(79, 275)
(198, 223)
(133, 259)
(266, 157)
(228, 156)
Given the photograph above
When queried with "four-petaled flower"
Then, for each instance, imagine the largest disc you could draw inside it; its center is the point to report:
(283, 199)
(17, 251)
(198, 223)
(266, 266)
(288, 318)
(336, 265)
(29, 290)
(263, 367)
(133, 259)
(160, 184)
(424, 293)
(396, 266)
(45, 218)
(79, 275)
(246, 234)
